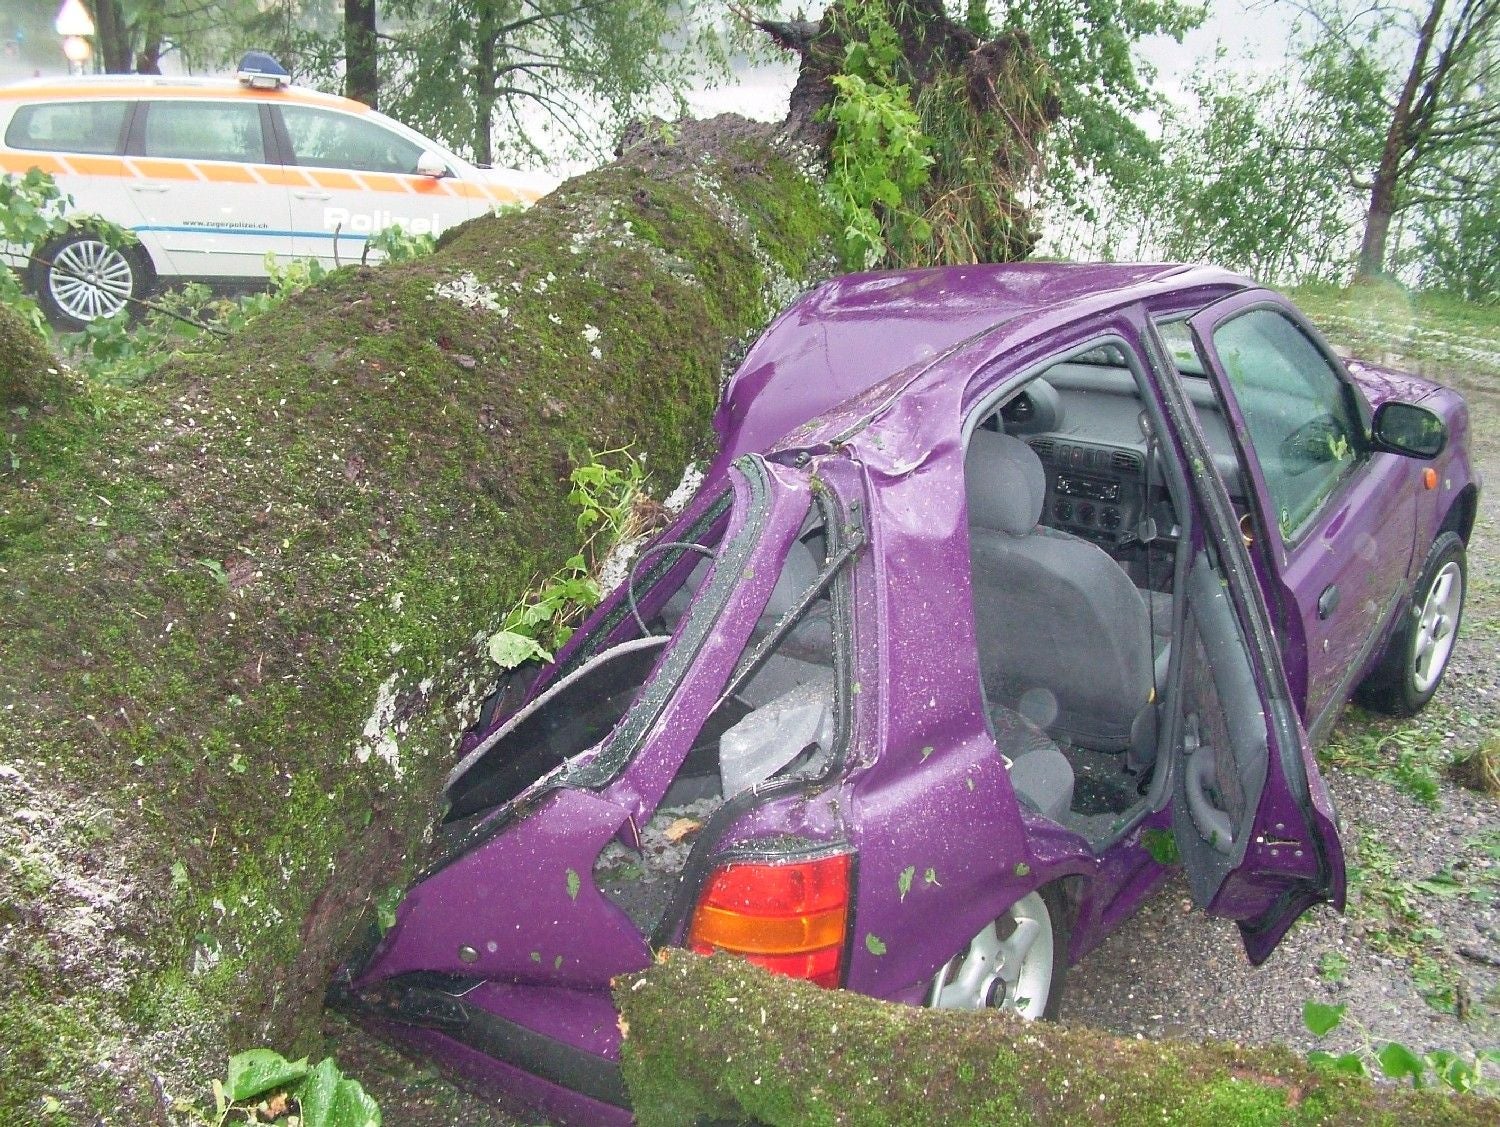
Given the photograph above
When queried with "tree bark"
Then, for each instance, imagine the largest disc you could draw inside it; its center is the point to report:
(361, 62)
(757, 1047)
(114, 36)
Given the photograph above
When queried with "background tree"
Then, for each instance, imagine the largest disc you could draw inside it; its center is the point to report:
(1434, 73)
(540, 77)
(361, 61)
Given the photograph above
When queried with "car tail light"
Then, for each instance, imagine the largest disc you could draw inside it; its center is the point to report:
(790, 917)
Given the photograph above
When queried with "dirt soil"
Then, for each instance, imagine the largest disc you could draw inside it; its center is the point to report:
(1421, 918)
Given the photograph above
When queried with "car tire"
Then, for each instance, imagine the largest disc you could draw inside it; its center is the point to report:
(1417, 655)
(1017, 962)
(79, 278)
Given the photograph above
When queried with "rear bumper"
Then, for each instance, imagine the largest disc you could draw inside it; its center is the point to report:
(488, 1035)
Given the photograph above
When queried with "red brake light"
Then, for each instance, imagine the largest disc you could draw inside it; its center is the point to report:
(790, 917)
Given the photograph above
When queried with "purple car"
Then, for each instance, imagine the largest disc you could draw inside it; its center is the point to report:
(1013, 590)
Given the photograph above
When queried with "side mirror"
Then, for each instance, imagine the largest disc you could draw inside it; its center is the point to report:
(430, 164)
(1405, 428)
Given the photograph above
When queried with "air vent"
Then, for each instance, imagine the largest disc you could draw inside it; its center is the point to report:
(1043, 448)
(1125, 460)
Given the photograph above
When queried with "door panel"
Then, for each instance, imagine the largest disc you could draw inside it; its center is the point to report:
(1255, 830)
(204, 189)
(1336, 526)
(361, 180)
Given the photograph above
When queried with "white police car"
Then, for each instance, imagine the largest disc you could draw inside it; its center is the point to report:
(214, 174)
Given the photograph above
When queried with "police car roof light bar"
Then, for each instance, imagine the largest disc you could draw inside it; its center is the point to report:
(260, 71)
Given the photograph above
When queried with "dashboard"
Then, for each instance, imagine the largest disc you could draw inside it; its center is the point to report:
(1086, 424)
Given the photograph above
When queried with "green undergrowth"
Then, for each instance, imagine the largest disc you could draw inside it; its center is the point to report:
(246, 597)
(780, 1052)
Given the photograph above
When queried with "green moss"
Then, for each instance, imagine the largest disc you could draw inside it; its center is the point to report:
(782, 1052)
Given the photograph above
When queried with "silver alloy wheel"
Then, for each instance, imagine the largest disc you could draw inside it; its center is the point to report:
(90, 279)
(1435, 628)
(1008, 965)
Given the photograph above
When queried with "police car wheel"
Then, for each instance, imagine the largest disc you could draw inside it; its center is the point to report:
(81, 278)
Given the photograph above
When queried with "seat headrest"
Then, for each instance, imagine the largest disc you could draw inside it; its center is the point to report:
(1005, 482)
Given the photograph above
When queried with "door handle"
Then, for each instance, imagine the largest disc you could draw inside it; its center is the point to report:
(148, 186)
(313, 194)
(1328, 601)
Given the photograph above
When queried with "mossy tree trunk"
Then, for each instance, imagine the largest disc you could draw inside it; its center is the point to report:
(756, 1047)
(243, 604)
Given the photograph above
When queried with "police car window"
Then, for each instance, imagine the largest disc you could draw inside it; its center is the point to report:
(322, 139)
(69, 127)
(204, 131)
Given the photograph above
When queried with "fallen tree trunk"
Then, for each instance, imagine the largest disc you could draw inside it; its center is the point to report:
(753, 1046)
(243, 605)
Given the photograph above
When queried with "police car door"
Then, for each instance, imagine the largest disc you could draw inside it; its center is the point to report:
(204, 187)
(362, 179)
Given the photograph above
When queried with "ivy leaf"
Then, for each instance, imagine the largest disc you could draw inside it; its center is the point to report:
(259, 1070)
(903, 882)
(1320, 1018)
(574, 884)
(874, 944)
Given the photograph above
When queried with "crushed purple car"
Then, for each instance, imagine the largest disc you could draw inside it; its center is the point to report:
(1013, 590)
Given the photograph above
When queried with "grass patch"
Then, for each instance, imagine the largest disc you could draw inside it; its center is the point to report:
(1435, 333)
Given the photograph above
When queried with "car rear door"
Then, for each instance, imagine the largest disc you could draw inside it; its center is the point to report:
(1334, 522)
(1254, 825)
(205, 187)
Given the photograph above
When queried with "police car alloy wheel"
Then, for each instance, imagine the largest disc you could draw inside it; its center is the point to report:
(83, 279)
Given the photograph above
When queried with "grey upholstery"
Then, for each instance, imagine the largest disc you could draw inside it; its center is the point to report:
(1039, 773)
(1064, 636)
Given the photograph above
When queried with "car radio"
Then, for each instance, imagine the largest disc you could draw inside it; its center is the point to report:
(1088, 488)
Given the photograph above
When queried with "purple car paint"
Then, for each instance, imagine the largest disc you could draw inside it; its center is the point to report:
(807, 667)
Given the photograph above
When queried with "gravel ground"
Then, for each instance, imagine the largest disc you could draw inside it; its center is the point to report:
(1175, 972)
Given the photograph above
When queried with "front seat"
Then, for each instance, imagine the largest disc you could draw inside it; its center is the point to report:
(1064, 635)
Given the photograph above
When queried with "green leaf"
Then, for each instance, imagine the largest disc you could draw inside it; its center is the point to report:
(930, 877)
(903, 882)
(1162, 845)
(508, 649)
(1397, 1061)
(574, 884)
(874, 944)
(353, 1107)
(316, 1095)
(259, 1070)
(1320, 1018)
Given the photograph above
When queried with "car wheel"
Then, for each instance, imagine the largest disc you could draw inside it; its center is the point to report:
(81, 278)
(1017, 962)
(1415, 658)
